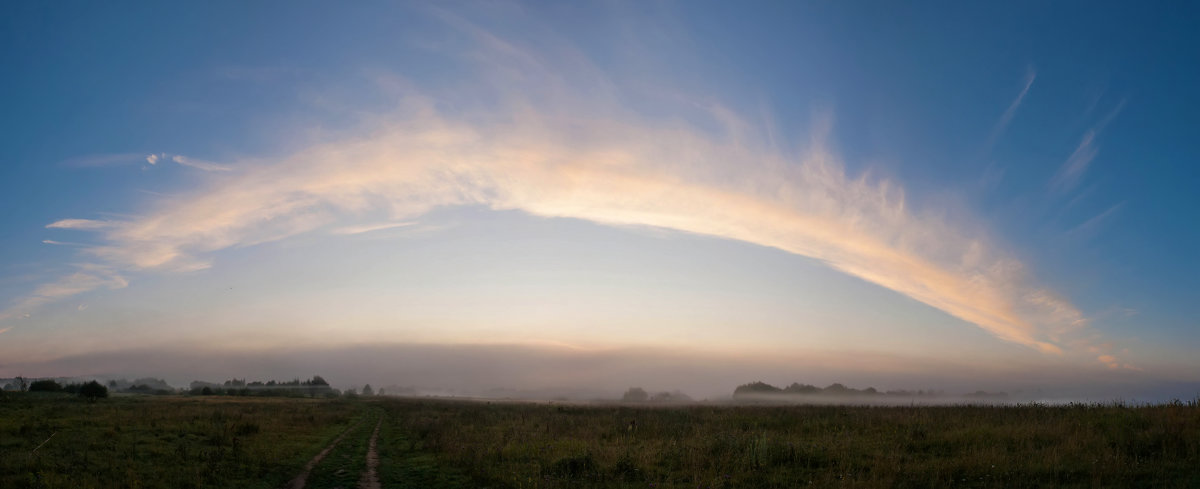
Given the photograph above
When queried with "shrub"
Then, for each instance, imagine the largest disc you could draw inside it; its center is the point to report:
(93, 390)
(635, 394)
(45, 386)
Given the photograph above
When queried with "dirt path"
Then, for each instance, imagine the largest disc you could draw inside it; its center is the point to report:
(370, 478)
(300, 480)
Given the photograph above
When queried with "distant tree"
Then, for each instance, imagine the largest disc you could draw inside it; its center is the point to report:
(381, 392)
(206, 391)
(22, 384)
(46, 385)
(635, 394)
(350, 392)
(798, 388)
(836, 388)
(318, 380)
(670, 397)
(756, 388)
(93, 390)
(368, 391)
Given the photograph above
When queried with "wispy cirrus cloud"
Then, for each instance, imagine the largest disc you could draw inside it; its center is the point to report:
(182, 160)
(121, 159)
(200, 164)
(1068, 175)
(85, 278)
(103, 160)
(1077, 163)
(62, 243)
(556, 146)
(367, 228)
(625, 172)
(80, 224)
(1089, 227)
(1010, 112)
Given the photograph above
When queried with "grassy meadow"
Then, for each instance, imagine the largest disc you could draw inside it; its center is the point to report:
(162, 441)
(147, 441)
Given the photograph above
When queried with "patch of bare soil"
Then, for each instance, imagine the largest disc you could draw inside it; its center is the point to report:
(300, 480)
(370, 478)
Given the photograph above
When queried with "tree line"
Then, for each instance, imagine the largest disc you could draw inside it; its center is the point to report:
(88, 390)
(759, 388)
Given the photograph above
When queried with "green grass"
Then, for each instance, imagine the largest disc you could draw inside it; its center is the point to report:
(162, 441)
(544, 446)
(343, 466)
(406, 463)
(264, 442)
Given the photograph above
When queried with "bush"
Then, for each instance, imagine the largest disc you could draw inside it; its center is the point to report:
(45, 386)
(635, 394)
(93, 390)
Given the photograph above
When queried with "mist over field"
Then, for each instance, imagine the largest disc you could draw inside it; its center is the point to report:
(556, 372)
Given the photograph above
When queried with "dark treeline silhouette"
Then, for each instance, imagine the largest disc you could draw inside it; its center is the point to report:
(314, 387)
(70, 385)
(88, 390)
(144, 385)
(760, 389)
(637, 394)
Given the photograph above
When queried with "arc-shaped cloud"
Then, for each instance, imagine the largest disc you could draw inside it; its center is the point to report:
(622, 173)
(571, 148)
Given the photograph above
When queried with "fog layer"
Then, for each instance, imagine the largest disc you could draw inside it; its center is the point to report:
(546, 372)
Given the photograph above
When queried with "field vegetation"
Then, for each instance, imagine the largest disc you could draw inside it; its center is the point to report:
(705, 446)
(64, 441)
(54, 439)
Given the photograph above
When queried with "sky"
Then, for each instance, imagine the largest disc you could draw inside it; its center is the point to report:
(589, 196)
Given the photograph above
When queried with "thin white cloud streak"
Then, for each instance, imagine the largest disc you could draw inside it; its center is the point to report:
(1089, 226)
(1077, 164)
(87, 277)
(80, 224)
(199, 164)
(103, 160)
(61, 243)
(1010, 112)
(152, 158)
(371, 227)
(543, 148)
(1072, 169)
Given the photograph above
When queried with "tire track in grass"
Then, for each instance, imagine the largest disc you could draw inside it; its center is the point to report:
(300, 480)
(370, 478)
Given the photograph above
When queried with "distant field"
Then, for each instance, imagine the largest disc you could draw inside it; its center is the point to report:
(267, 443)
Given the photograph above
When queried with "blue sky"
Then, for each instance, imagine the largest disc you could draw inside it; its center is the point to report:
(1000, 188)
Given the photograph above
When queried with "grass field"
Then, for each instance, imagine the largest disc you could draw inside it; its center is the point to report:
(266, 442)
